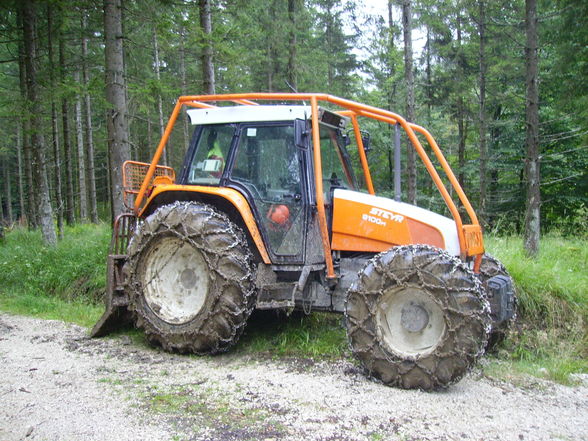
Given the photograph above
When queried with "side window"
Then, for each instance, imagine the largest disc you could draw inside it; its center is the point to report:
(212, 150)
(267, 164)
(333, 158)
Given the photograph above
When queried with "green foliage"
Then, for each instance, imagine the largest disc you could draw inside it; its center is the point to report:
(551, 337)
(318, 335)
(64, 282)
(558, 274)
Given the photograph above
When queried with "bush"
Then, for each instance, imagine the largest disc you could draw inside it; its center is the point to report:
(36, 278)
(552, 291)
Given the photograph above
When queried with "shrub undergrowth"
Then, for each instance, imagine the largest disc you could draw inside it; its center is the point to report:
(318, 335)
(63, 282)
(551, 336)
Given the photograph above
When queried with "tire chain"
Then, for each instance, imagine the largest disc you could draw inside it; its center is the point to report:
(178, 219)
(375, 355)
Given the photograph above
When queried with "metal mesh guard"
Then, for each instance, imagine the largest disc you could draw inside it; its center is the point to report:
(134, 174)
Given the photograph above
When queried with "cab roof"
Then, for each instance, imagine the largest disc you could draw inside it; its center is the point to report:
(237, 114)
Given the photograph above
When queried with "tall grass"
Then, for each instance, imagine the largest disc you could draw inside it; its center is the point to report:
(318, 335)
(551, 337)
(63, 282)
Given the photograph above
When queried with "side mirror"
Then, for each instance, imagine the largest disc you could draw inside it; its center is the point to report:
(366, 140)
(346, 139)
(301, 132)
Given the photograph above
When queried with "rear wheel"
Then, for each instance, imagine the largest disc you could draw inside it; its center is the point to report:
(190, 278)
(417, 317)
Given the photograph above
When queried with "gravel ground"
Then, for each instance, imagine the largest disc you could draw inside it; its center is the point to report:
(57, 384)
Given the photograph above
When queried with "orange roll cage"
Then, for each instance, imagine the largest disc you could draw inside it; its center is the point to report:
(470, 236)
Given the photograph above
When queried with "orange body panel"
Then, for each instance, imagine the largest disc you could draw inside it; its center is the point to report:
(363, 227)
(233, 196)
(423, 233)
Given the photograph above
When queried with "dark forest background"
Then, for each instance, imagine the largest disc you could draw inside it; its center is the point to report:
(461, 68)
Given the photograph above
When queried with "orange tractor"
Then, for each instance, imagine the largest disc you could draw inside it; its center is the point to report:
(271, 210)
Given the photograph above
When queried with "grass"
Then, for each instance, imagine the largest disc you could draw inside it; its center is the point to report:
(67, 282)
(319, 335)
(551, 338)
(205, 407)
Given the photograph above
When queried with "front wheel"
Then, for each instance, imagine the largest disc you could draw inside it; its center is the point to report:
(417, 317)
(190, 278)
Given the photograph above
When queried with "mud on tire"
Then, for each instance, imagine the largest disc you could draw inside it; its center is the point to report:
(190, 278)
(417, 317)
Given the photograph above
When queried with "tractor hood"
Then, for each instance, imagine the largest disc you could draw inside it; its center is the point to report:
(363, 222)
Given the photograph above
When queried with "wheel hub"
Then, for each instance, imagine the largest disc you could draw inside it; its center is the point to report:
(176, 280)
(410, 322)
(188, 278)
(413, 317)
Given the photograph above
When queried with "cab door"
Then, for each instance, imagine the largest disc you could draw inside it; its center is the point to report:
(267, 169)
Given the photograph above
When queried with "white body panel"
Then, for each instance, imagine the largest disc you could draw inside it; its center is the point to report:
(220, 115)
(444, 225)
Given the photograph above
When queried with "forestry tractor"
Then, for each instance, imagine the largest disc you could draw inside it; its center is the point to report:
(271, 210)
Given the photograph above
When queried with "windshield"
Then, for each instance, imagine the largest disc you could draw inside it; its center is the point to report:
(212, 151)
(336, 164)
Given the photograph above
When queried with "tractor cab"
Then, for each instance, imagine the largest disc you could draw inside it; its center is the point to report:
(275, 208)
(265, 154)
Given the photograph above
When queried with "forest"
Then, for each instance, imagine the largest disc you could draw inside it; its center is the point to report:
(501, 84)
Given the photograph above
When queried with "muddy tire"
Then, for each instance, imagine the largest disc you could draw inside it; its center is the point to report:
(190, 278)
(489, 268)
(417, 318)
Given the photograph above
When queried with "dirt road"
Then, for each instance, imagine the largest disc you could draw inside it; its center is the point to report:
(56, 384)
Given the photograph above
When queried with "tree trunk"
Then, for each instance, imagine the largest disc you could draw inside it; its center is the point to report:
(8, 192)
(461, 128)
(34, 102)
(329, 44)
(118, 136)
(429, 76)
(208, 81)
(532, 166)
(185, 128)
(54, 125)
(482, 104)
(391, 68)
(292, 78)
(410, 107)
(82, 192)
(159, 98)
(90, 169)
(67, 153)
(31, 205)
(19, 147)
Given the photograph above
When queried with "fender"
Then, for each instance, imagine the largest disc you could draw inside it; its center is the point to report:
(229, 194)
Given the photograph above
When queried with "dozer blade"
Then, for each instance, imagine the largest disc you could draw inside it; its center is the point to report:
(114, 318)
(116, 314)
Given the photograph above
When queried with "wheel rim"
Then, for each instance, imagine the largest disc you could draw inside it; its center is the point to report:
(176, 280)
(410, 322)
